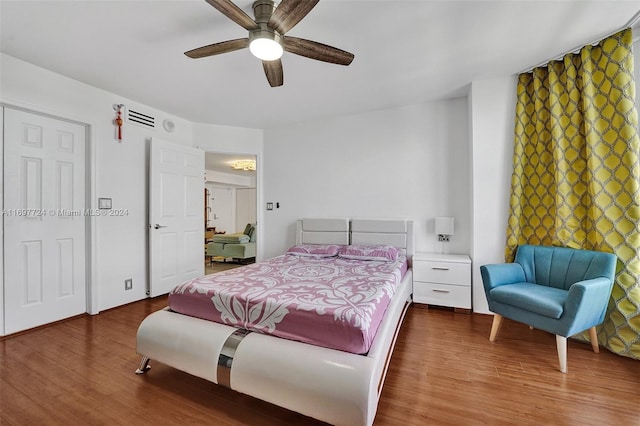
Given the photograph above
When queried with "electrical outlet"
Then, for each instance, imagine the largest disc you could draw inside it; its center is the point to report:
(128, 284)
(444, 238)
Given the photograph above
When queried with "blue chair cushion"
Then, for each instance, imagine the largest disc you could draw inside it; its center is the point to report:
(543, 300)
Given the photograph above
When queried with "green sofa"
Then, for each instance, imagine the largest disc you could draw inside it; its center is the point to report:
(240, 246)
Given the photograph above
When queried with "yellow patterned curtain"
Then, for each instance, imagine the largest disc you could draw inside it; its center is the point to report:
(576, 170)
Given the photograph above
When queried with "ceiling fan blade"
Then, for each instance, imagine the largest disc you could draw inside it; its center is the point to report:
(218, 48)
(317, 51)
(289, 13)
(233, 12)
(273, 71)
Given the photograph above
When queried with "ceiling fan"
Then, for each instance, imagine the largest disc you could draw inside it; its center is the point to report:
(266, 38)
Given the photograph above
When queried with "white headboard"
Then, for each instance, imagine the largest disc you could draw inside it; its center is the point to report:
(395, 232)
(322, 231)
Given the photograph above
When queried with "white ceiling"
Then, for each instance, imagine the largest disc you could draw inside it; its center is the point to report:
(406, 52)
(222, 163)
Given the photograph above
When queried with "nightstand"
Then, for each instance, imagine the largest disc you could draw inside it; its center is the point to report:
(442, 279)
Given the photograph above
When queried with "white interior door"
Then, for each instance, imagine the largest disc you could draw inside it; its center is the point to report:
(176, 215)
(222, 209)
(44, 220)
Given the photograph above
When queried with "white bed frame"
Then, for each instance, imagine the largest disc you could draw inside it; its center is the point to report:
(330, 385)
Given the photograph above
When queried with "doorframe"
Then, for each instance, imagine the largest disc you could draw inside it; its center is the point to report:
(259, 203)
(91, 257)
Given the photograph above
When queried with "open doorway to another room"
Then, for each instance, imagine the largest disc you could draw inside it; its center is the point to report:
(230, 211)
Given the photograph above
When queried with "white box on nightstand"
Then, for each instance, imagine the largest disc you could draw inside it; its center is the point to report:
(442, 279)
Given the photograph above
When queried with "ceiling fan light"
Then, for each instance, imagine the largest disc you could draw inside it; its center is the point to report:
(266, 49)
(265, 45)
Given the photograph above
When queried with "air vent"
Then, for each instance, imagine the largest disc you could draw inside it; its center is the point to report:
(140, 118)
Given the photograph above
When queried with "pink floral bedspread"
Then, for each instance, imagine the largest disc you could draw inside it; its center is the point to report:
(332, 302)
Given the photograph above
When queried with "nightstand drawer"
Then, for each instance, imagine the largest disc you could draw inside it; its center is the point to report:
(442, 295)
(442, 272)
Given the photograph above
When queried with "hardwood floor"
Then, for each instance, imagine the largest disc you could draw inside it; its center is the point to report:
(444, 371)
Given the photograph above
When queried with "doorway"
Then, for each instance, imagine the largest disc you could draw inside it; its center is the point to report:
(231, 204)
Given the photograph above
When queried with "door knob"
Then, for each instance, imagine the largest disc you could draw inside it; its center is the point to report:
(157, 226)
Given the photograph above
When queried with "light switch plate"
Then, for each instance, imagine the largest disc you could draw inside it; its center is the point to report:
(104, 203)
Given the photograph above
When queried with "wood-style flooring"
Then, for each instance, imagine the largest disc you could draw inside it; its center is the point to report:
(214, 267)
(444, 371)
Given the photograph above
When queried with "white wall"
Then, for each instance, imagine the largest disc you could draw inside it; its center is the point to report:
(410, 162)
(245, 207)
(491, 113)
(118, 170)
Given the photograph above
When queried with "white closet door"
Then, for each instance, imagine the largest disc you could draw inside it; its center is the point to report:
(44, 220)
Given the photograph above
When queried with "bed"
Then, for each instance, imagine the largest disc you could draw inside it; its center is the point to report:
(329, 384)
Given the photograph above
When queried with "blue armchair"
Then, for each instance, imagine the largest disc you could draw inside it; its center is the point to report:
(560, 290)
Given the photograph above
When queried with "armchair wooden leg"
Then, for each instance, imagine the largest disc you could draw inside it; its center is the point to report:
(593, 336)
(561, 345)
(495, 327)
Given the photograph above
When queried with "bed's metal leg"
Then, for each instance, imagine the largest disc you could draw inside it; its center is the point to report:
(144, 365)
